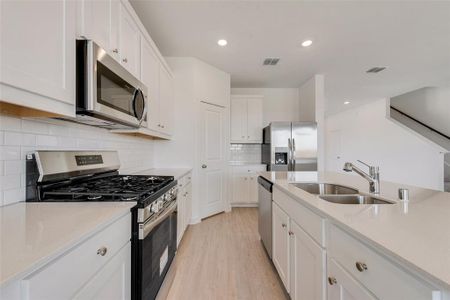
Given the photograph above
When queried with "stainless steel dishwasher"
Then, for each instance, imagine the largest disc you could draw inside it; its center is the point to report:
(265, 213)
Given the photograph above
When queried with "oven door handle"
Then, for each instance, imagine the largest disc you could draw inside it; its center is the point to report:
(145, 228)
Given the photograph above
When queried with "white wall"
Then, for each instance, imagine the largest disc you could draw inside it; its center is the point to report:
(312, 109)
(365, 133)
(279, 104)
(21, 136)
(430, 105)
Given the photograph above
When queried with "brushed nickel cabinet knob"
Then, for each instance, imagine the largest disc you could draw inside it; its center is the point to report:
(332, 280)
(102, 251)
(361, 266)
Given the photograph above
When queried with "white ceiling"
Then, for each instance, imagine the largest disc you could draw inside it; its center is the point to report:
(411, 38)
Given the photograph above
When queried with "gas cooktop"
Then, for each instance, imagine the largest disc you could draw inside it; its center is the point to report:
(109, 188)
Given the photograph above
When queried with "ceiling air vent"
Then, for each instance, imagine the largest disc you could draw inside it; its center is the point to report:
(270, 61)
(375, 69)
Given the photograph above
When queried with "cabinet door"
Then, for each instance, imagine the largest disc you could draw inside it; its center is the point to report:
(280, 232)
(238, 120)
(188, 205)
(38, 50)
(240, 187)
(95, 21)
(253, 187)
(254, 120)
(113, 281)
(181, 200)
(166, 101)
(150, 77)
(342, 286)
(129, 41)
(308, 263)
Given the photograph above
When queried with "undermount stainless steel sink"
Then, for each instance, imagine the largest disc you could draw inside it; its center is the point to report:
(354, 199)
(325, 188)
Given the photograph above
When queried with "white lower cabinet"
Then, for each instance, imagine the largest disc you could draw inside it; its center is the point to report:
(343, 287)
(184, 202)
(98, 268)
(244, 181)
(307, 262)
(280, 242)
(341, 267)
(113, 281)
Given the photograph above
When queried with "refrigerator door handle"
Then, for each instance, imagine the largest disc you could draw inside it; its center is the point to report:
(289, 158)
(293, 154)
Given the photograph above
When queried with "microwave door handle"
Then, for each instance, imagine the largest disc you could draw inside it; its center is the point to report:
(144, 113)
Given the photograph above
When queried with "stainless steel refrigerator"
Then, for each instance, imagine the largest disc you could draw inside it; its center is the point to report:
(290, 146)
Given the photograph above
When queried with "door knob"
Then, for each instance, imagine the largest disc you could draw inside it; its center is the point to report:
(204, 166)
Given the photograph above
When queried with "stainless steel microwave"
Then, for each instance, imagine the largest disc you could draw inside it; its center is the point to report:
(107, 95)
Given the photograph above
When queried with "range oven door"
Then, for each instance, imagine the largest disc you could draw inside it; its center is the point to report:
(156, 251)
(106, 90)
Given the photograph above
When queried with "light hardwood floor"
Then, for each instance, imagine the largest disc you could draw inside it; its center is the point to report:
(222, 258)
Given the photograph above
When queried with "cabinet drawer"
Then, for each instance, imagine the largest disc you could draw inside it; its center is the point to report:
(311, 223)
(185, 180)
(63, 277)
(376, 273)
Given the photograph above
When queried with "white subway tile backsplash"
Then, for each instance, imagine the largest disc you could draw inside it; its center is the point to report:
(12, 138)
(245, 153)
(10, 182)
(11, 196)
(9, 152)
(18, 137)
(33, 126)
(46, 140)
(12, 167)
(10, 123)
(28, 139)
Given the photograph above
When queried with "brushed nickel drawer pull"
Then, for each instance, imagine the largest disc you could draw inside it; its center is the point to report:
(283, 225)
(291, 233)
(102, 251)
(361, 266)
(332, 280)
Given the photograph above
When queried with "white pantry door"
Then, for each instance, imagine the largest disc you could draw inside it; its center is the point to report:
(212, 160)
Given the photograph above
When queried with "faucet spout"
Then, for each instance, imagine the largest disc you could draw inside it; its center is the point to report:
(373, 177)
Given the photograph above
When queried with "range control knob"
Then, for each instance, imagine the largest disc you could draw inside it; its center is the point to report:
(155, 208)
(160, 204)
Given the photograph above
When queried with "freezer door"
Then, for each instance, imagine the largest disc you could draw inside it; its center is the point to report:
(304, 144)
(280, 152)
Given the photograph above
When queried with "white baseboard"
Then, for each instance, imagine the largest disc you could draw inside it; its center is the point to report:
(244, 204)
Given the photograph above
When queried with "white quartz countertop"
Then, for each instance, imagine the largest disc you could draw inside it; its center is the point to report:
(32, 234)
(177, 173)
(415, 233)
(244, 163)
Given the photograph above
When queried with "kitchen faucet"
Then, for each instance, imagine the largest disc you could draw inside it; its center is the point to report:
(373, 177)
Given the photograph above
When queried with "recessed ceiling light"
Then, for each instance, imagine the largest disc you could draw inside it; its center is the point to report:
(307, 43)
(222, 42)
(347, 102)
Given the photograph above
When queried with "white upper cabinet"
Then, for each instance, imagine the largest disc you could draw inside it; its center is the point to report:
(150, 77)
(238, 119)
(213, 85)
(246, 119)
(98, 21)
(38, 54)
(129, 42)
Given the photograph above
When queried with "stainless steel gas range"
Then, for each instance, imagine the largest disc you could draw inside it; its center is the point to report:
(65, 176)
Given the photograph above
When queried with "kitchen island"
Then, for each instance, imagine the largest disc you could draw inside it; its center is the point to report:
(413, 235)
